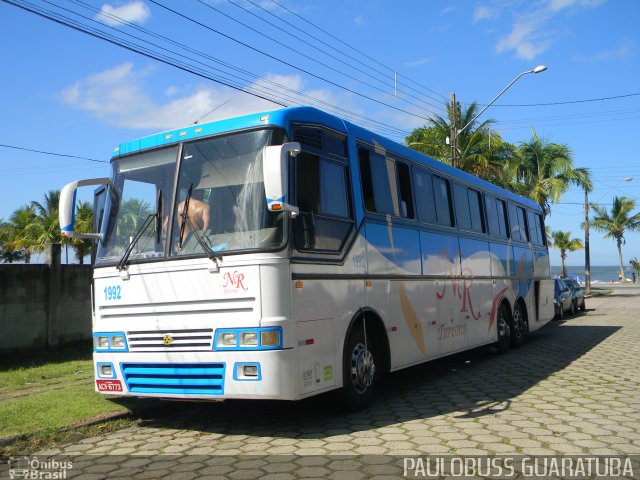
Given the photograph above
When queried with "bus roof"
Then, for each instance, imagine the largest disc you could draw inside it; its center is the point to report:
(310, 115)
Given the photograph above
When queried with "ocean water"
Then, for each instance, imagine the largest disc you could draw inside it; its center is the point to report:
(599, 273)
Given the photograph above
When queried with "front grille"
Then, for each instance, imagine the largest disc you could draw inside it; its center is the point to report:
(189, 339)
(174, 378)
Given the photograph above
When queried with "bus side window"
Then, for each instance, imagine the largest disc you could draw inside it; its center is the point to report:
(522, 223)
(534, 234)
(492, 216)
(442, 193)
(461, 202)
(503, 220)
(425, 202)
(379, 187)
(404, 185)
(477, 218)
(322, 186)
(513, 222)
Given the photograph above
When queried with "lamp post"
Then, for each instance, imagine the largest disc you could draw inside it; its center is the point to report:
(587, 258)
(457, 131)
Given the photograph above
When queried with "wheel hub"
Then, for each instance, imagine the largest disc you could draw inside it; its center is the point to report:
(362, 368)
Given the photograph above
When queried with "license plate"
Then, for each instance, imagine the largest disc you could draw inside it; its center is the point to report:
(109, 385)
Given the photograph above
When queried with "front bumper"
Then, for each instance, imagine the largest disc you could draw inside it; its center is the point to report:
(199, 375)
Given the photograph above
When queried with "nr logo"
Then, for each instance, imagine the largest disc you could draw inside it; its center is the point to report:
(233, 281)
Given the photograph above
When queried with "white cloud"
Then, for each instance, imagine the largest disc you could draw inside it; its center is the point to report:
(484, 12)
(448, 10)
(531, 34)
(359, 20)
(119, 96)
(133, 12)
(622, 52)
(416, 63)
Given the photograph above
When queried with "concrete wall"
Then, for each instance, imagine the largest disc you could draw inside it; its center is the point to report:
(44, 305)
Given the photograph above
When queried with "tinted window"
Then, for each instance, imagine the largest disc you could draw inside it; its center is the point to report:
(379, 187)
(540, 227)
(322, 187)
(513, 221)
(404, 184)
(425, 202)
(522, 224)
(475, 210)
(492, 215)
(534, 233)
(461, 202)
(502, 218)
(442, 194)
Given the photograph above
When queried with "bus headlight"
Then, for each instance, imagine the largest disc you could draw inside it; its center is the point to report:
(266, 338)
(227, 339)
(106, 370)
(249, 339)
(270, 338)
(110, 342)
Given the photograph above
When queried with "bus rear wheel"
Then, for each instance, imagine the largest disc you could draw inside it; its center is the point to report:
(504, 329)
(359, 370)
(519, 329)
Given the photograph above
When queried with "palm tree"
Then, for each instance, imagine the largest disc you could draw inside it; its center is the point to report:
(482, 152)
(17, 241)
(547, 171)
(562, 242)
(614, 224)
(45, 230)
(635, 264)
(83, 224)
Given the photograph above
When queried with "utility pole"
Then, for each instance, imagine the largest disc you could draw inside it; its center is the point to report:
(454, 132)
(587, 259)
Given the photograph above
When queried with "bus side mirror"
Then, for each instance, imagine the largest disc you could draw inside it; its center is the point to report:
(274, 166)
(67, 208)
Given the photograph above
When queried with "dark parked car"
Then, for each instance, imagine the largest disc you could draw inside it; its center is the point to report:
(577, 295)
(562, 299)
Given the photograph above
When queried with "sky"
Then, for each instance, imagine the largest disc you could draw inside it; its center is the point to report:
(386, 65)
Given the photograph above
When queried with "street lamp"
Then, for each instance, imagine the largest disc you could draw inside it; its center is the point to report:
(455, 131)
(587, 258)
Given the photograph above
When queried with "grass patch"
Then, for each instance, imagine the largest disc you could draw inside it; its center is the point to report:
(54, 409)
(43, 394)
(46, 368)
(601, 293)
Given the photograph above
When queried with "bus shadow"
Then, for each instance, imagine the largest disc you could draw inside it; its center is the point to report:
(471, 384)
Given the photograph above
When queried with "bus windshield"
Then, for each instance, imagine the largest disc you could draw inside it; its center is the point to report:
(226, 206)
(221, 197)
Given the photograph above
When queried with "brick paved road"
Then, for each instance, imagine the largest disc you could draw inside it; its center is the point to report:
(573, 388)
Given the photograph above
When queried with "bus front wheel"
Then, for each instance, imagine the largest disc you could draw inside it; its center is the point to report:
(519, 329)
(359, 370)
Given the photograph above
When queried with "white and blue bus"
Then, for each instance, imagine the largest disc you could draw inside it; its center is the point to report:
(284, 254)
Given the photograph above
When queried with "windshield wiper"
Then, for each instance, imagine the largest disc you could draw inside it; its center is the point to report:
(122, 264)
(200, 239)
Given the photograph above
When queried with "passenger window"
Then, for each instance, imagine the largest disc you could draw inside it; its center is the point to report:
(442, 194)
(492, 215)
(379, 187)
(322, 195)
(513, 222)
(477, 219)
(404, 183)
(503, 221)
(540, 227)
(522, 223)
(533, 229)
(461, 202)
(425, 202)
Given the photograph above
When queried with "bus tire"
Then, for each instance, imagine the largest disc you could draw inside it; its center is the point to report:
(358, 371)
(518, 330)
(504, 329)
